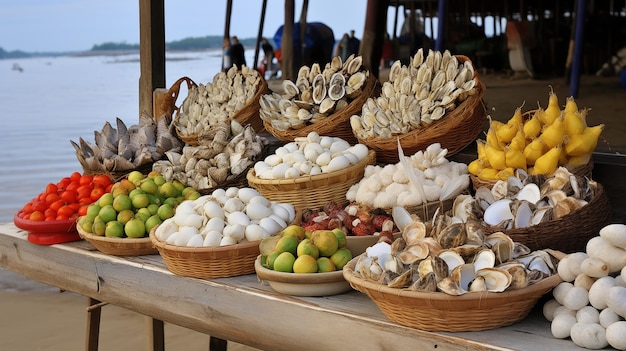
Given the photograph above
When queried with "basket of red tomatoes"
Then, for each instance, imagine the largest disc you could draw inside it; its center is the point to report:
(50, 217)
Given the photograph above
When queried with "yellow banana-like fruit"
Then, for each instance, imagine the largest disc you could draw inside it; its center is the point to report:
(547, 163)
(552, 134)
(584, 143)
(553, 110)
(505, 173)
(574, 122)
(506, 132)
(532, 127)
(534, 150)
(488, 174)
(495, 157)
(514, 158)
(570, 105)
(492, 138)
(519, 141)
(518, 118)
(476, 166)
(480, 149)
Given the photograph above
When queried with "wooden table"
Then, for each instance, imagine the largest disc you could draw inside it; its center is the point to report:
(244, 310)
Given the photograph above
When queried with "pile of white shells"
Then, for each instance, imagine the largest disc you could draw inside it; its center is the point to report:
(390, 185)
(225, 217)
(416, 95)
(590, 305)
(310, 155)
(225, 152)
(315, 94)
(217, 101)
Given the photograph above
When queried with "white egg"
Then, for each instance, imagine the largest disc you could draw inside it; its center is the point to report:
(215, 223)
(326, 141)
(339, 145)
(323, 159)
(245, 194)
(199, 202)
(165, 229)
(305, 168)
(313, 137)
(359, 150)
(315, 170)
(258, 211)
(266, 174)
(233, 204)
(281, 212)
(281, 151)
(273, 160)
(279, 170)
(281, 222)
(195, 241)
(235, 231)
(291, 146)
(188, 219)
(213, 209)
(352, 158)
(238, 217)
(290, 209)
(261, 166)
(172, 238)
(338, 163)
(270, 225)
(311, 154)
(212, 238)
(260, 200)
(227, 240)
(292, 172)
(186, 206)
(255, 232)
(217, 193)
(183, 237)
(232, 191)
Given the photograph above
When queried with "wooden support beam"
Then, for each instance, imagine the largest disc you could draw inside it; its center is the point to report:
(151, 52)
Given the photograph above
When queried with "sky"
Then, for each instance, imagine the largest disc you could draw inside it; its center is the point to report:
(77, 25)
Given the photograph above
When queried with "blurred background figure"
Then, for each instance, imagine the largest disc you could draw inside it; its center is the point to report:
(226, 61)
(268, 58)
(353, 44)
(237, 53)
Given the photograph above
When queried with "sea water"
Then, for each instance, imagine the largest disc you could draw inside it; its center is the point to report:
(53, 100)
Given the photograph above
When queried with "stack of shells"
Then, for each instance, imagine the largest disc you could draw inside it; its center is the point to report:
(217, 101)
(416, 95)
(315, 95)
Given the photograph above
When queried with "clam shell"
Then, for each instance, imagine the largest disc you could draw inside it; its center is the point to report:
(496, 280)
(427, 283)
(530, 192)
(498, 212)
(452, 259)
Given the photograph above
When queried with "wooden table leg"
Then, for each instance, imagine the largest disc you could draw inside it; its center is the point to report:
(156, 334)
(93, 324)
(217, 344)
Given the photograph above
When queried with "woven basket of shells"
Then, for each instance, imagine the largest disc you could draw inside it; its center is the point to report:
(119, 150)
(222, 158)
(562, 212)
(320, 100)
(436, 98)
(231, 95)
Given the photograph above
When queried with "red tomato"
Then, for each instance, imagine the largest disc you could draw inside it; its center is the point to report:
(61, 218)
(101, 180)
(52, 197)
(75, 177)
(84, 191)
(65, 211)
(86, 179)
(28, 208)
(39, 206)
(72, 186)
(42, 197)
(109, 187)
(69, 196)
(96, 193)
(50, 213)
(63, 183)
(75, 206)
(51, 189)
(82, 210)
(57, 205)
(36, 216)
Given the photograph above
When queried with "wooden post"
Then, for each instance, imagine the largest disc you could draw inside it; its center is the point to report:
(229, 9)
(156, 334)
(93, 324)
(286, 44)
(151, 52)
(374, 34)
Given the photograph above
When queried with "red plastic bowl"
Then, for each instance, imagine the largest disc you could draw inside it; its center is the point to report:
(48, 232)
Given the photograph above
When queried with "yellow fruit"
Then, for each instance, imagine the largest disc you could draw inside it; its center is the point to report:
(574, 123)
(326, 242)
(534, 150)
(506, 132)
(585, 143)
(288, 244)
(532, 127)
(570, 105)
(324, 264)
(492, 138)
(488, 174)
(495, 157)
(304, 264)
(505, 173)
(519, 141)
(135, 228)
(514, 158)
(114, 229)
(293, 230)
(284, 262)
(341, 257)
(518, 118)
(552, 135)
(547, 163)
(306, 247)
(341, 237)
(480, 149)
(475, 166)
(553, 110)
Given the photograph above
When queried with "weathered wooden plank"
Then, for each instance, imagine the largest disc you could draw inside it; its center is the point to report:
(242, 309)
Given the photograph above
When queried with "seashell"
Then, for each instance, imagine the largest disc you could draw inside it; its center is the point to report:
(426, 283)
(450, 287)
(304, 72)
(502, 246)
(437, 59)
(394, 71)
(402, 281)
(542, 214)
(290, 90)
(319, 93)
(413, 253)
(452, 258)
(413, 232)
(475, 232)
(463, 275)
(484, 259)
(498, 212)
(567, 206)
(402, 218)
(555, 196)
(314, 72)
(530, 192)
(478, 284)
(438, 80)
(418, 58)
(327, 105)
(354, 65)
(433, 264)
(453, 235)
(496, 280)
(523, 215)
(336, 91)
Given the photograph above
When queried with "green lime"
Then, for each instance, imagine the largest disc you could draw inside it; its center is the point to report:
(135, 228)
(114, 229)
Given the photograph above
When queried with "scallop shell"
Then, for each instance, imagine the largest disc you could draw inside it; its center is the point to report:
(290, 90)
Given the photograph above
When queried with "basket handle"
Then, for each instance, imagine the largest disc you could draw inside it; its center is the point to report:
(169, 102)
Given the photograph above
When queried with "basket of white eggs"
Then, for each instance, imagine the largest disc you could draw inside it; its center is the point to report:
(217, 235)
(311, 171)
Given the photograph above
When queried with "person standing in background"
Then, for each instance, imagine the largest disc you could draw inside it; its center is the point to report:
(268, 56)
(226, 61)
(353, 44)
(342, 48)
(237, 53)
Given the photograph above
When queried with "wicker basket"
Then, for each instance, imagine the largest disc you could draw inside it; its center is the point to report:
(569, 233)
(248, 114)
(337, 124)
(312, 191)
(455, 131)
(438, 311)
(208, 262)
(119, 246)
